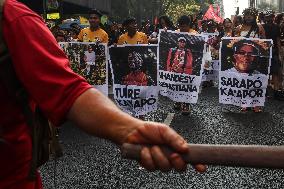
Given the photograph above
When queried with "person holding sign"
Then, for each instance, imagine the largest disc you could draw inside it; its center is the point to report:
(250, 29)
(44, 72)
(180, 60)
(93, 33)
(132, 36)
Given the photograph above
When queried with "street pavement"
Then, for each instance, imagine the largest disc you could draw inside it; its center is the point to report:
(90, 162)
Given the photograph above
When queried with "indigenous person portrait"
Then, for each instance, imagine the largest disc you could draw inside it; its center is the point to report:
(245, 56)
(180, 58)
(136, 76)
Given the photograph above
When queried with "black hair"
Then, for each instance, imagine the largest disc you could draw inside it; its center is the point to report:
(60, 33)
(168, 21)
(251, 11)
(96, 12)
(211, 23)
(269, 13)
(240, 19)
(184, 20)
(278, 18)
(238, 45)
(227, 19)
(128, 21)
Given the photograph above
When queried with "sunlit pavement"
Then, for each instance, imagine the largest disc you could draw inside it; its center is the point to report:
(90, 162)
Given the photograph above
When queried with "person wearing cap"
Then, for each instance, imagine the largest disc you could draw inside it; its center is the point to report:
(132, 36)
(180, 60)
(93, 33)
(184, 25)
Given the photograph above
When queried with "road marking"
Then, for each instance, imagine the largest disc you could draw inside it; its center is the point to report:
(169, 119)
(110, 90)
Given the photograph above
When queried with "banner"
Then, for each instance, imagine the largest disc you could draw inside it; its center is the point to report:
(90, 61)
(211, 66)
(211, 71)
(180, 65)
(134, 71)
(244, 71)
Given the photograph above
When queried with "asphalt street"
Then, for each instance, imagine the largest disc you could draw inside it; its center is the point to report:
(91, 162)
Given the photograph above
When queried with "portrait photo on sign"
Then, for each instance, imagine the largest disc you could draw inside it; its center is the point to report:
(134, 65)
(88, 60)
(250, 56)
(180, 52)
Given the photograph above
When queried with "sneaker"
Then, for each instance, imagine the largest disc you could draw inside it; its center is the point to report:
(177, 106)
(186, 109)
(257, 109)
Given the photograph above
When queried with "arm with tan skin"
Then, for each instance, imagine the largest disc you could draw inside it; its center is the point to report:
(98, 116)
(261, 31)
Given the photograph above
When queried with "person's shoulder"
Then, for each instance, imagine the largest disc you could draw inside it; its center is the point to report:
(188, 50)
(122, 36)
(14, 10)
(85, 30)
(260, 26)
(232, 70)
(103, 31)
(192, 31)
(142, 34)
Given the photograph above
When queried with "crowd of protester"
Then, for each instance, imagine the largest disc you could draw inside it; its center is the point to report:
(251, 24)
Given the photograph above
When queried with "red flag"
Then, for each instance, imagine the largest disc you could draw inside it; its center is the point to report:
(211, 14)
(156, 21)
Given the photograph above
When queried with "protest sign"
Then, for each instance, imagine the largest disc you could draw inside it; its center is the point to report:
(180, 65)
(244, 71)
(90, 61)
(211, 66)
(134, 71)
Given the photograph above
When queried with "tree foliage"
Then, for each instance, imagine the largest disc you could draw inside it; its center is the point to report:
(149, 9)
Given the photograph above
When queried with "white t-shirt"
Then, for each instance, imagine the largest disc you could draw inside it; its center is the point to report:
(90, 57)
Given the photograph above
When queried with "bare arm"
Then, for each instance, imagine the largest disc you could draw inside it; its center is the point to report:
(261, 32)
(99, 116)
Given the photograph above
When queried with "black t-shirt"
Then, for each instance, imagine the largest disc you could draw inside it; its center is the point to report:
(282, 37)
(272, 32)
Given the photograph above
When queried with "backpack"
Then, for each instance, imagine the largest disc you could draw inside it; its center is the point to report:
(174, 50)
(44, 137)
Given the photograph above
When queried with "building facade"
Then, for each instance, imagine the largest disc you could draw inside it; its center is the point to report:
(277, 5)
(231, 7)
(102, 5)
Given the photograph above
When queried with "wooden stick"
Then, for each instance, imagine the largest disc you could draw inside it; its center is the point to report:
(222, 155)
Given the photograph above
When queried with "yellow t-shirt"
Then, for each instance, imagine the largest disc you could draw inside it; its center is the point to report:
(86, 35)
(192, 31)
(138, 38)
